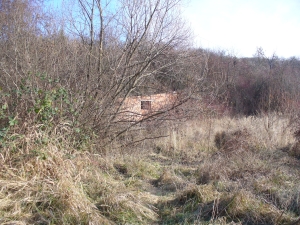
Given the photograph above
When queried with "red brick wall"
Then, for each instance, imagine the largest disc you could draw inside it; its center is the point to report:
(131, 108)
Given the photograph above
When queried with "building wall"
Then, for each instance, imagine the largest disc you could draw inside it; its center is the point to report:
(132, 109)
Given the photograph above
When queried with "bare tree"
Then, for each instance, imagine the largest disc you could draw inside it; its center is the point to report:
(20, 27)
(83, 66)
(125, 46)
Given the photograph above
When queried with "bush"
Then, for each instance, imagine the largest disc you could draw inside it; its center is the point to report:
(228, 142)
(295, 148)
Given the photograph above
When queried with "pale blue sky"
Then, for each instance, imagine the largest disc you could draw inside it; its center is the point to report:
(241, 26)
(55, 3)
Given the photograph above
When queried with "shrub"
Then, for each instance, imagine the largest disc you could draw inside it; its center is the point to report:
(168, 181)
(228, 142)
(295, 148)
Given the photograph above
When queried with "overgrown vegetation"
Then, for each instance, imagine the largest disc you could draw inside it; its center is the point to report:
(226, 152)
(252, 179)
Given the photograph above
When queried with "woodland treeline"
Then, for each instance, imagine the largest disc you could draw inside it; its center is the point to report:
(76, 67)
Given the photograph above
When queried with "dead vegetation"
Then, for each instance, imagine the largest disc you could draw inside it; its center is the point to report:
(295, 147)
(69, 155)
(218, 171)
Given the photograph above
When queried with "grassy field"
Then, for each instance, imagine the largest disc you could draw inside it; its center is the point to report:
(206, 171)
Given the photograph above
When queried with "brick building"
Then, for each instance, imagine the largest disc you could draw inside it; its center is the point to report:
(135, 108)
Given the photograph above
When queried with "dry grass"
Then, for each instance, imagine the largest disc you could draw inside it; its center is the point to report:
(47, 184)
(42, 190)
(44, 181)
(169, 181)
(192, 137)
(211, 171)
(232, 157)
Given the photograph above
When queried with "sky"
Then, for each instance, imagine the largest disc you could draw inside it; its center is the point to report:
(240, 27)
